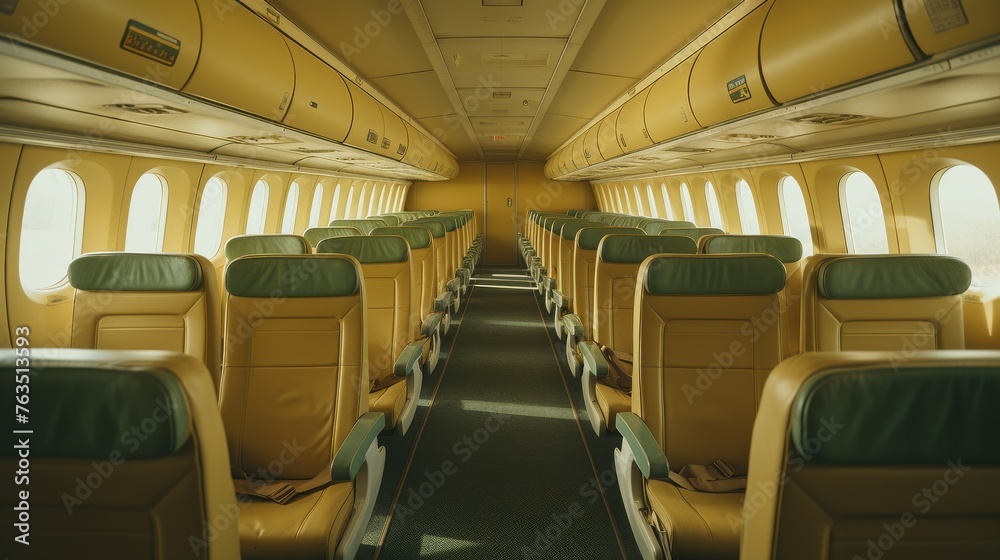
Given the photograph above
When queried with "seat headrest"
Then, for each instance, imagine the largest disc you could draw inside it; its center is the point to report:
(93, 412)
(416, 237)
(655, 226)
(785, 248)
(449, 224)
(570, 229)
(364, 225)
(368, 250)
(715, 275)
(618, 248)
(136, 272)
(317, 234)
(281, 244)
(557, 224)
(437, 228)
(892, 276)
(292, 276)
(695, 233)
(590, 237)
(389, 219)
(881, 414)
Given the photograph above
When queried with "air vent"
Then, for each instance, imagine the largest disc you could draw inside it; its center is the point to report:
(500, 111)
(496, 60)
(147, 109)
(314, 151)
(745, 138)
(263, 140)
(831, 118)
(501, 95)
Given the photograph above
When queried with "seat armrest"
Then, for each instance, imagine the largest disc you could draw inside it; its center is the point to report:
(431, 322)
(454, 285)
(573, 325)
(593, 357)
(648, 456)
(560, 299)
(351, 455)
(549, 282)
(408, 358)
(443, 301)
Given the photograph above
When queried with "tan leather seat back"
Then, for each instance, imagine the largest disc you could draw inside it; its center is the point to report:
(127, 457)
(786, 249)
(584, 268)
(389, 287)
(902, 303)
(858, 455)
(147, 301)
(618, 260)
(295, 377)
(437, 274)
(422, 264)
(702, 356)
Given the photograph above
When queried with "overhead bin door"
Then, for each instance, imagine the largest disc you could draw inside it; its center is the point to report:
(607, 136)
(418, 147)
(725, 79)
(576, 153)
(631, 125)
(947, 25)
(244, 63)
(591, 151)
(367, 126)
(321, 103)
(156, 41)
(807, 47)
(393, 142)
(668, 109)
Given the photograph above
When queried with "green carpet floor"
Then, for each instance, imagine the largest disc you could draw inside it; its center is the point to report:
(498, 465)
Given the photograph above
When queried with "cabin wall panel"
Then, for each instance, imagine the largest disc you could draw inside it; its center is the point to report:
(9, 156)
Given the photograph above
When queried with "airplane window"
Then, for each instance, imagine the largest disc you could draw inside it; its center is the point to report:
(794, 214)
(628, 201)
(864, 221)
(258, 207)
(638, 200)
(381, 200)
(291, 207)
(211, 217)
(350, 199)
(714, 210)
(52, 227)
(666, 202)
(147, 213)
(335, 207)
(316, 203)
(618, 196)
(654, 211)
(372, 209)
(967, 221)
(747, 208)
(361, 202)
(686, 203)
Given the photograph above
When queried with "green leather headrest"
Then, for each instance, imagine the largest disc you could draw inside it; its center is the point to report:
(590, 237)
(292, 276)
(893, 276)
(416, 237)
(365, 225)
(135, 272)
(695, 233)
(317, 234)
(619, 248)
(368, 250)
(655, 226)
(268, 243)
(389, 219)
(715, 275)
(785, 248)
(437, 228)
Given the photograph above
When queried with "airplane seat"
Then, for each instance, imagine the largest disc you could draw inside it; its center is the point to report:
(147, 301)
(655, 226)
(294, 403)
(389, 219)
(317, 234)
(860, 455)
(422, 254)
(786, 249)
(365, 225)
(395, 346)
(695, 233)
(444, 247)
(554, 274)
(562, 294)
(578, 325)
(618, 261)
(142, 430)
(900, 302)
(700, 363)
(267, 244)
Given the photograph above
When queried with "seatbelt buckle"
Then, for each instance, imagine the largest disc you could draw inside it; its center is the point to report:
(723, 469)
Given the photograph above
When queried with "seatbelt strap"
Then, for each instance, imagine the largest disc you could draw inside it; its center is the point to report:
(718, 477)
(385, 382)
(279, 492)
(620, 370)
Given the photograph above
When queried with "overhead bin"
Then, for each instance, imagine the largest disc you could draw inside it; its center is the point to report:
(591, 151)
(367, 126)
(321, 103)
(668, 107)
(807, 47)
(725, 79)
(576, 153)
(607, 136)
(393, 142)
(156, 41)
(244, 63)
(418, 147)
(631, 124)
(952, 24)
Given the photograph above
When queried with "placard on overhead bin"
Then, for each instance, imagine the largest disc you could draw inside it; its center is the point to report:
(394, 139)
(940, 26)
(367, 126)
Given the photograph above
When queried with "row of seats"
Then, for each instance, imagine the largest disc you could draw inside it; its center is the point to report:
(322, 352)
(676, 347)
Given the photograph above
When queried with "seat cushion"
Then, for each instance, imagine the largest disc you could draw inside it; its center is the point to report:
(388, 401)
(698, 524)
(307, 527)
(612, 401)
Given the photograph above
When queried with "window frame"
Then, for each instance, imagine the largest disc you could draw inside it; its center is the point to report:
(262, 213)
(845, 213)
(741, 209)
(941, 236)
(292, 204)
(714, 206)
(224, 184)
(783, 210)
(687, 204)
(161, 223)
(41, 294)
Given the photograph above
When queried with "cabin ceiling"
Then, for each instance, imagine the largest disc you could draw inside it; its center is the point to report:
(503, 79)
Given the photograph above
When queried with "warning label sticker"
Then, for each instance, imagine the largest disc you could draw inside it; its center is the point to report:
(145, 41)
(739, 91)
(945, 14)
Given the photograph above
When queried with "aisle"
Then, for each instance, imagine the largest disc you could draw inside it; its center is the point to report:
(500, 469)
